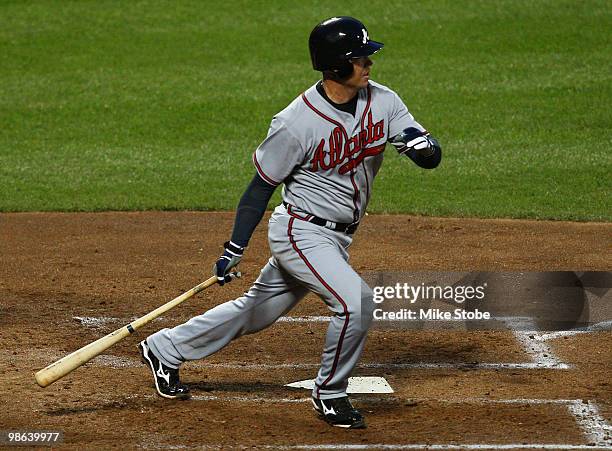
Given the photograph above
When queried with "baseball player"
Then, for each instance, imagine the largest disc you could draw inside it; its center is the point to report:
(325, 148)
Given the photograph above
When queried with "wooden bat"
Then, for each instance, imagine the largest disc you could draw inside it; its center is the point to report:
(66, 364)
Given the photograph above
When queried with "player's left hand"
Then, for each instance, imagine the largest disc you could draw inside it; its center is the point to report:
(230, 259)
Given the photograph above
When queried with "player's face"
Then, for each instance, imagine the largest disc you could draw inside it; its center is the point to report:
(361, 72)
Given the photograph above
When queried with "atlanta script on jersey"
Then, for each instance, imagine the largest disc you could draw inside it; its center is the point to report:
(328, 158)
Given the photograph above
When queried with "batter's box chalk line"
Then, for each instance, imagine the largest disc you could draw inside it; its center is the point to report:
(541, 354)
(523, 328)
(127, 362)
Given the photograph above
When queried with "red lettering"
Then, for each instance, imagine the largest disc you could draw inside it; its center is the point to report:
(352, 164)
(363, 137)
(354, 150)
(355, 146)
(370, 129)
(338, 154)
(379, 131)
(318, 158)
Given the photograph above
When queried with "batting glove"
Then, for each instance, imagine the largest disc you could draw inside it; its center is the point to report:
(230, 258)
(412, 139)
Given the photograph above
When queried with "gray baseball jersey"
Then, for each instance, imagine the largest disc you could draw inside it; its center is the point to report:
(327, 160)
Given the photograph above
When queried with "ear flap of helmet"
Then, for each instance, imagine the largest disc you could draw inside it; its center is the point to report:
(344, 70)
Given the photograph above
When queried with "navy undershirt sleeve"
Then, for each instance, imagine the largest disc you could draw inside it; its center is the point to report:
(251, 209)
(426, 162)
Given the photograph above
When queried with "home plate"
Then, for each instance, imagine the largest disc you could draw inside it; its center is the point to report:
(366, 384)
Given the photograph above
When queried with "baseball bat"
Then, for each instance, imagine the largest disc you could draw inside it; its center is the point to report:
(65, 365)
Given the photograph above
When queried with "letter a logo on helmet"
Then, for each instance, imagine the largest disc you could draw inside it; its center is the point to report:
(336, 40)
(365, 36)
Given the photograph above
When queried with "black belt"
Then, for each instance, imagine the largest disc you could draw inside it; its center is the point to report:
(345, 227)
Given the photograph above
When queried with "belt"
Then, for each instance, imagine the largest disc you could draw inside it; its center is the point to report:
(345, 227)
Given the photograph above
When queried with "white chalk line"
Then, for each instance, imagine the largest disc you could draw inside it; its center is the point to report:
(368, 399)
(593, 425)
(467, 366)
(524, 331)
(95, 322)
(99, 321)
(586, 415)
(391, 399)
(540, 353)
(386, 366)
(514, 322)
(598, 327)
(127, 362)
(538, 350)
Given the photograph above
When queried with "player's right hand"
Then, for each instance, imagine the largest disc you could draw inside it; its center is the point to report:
(230, 258)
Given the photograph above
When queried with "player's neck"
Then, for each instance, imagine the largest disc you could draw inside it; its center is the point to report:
(338, 92)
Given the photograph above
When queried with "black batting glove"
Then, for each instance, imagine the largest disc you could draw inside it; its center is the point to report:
(230, 258)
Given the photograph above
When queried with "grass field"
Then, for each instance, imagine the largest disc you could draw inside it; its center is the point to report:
(112, 105)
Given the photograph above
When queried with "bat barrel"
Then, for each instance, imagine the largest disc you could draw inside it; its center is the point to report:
(65, 365)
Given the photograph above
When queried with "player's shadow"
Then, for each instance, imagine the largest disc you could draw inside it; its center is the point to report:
(432, 353)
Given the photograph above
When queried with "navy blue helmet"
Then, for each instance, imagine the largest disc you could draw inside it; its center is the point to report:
(336, 40)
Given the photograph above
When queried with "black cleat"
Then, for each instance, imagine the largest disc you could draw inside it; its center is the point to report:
(166, 379)
(339, 412)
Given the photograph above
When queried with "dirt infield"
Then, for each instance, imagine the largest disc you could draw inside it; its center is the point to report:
(68, 279)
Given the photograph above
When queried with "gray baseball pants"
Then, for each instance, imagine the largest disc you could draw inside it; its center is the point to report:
(305, 257)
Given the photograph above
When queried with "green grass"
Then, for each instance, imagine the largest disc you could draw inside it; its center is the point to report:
(108, 105)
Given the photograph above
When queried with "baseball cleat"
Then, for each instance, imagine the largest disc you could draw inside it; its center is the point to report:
(166, 379)
(339, 412)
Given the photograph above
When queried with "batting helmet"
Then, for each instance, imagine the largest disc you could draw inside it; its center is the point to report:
(336, 40)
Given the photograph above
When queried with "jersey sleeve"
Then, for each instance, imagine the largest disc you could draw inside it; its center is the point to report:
(400, 118)
(278, 154)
